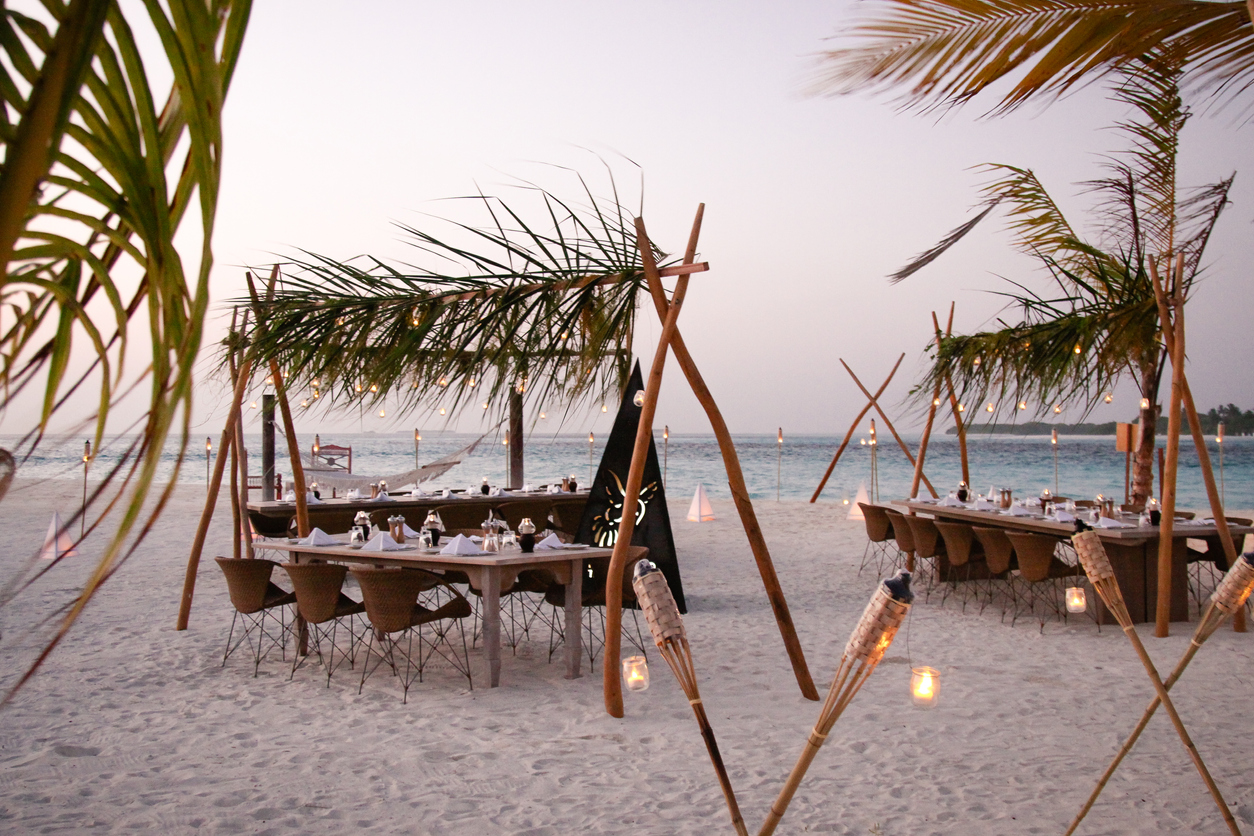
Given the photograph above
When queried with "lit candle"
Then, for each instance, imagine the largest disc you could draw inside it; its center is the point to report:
(636, 673)
(1076, 601)
(924, 686)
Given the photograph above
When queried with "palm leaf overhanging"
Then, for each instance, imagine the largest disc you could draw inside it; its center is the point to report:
(941, 53)
(516, 305)
(93, 235)
(1099, 321)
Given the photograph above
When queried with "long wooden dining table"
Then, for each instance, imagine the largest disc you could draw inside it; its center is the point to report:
(1133, 552)
(489, 573)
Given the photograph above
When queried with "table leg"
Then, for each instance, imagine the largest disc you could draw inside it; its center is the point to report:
(574, 621)
(492, 623)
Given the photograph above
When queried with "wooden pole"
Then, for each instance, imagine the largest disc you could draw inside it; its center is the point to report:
(280, 393)
(635, 475)
(1199, 441)
(889, 424)
(1162, 622)
(953, 405)
(215, 483)
(852, 429)
(927, 435)
(736, 482)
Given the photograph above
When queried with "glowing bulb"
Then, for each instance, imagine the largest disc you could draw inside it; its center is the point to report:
(1110, 396)
(252, 405)
(935, 401)
(382, 414)
(990, 406)
(358, 387)
(305, 402)
(1144, 403)
(485, 404)
(443, 381)
(1023, 404)
(543, 416)
(962, 407)
(443, 411)
(604, 408)
(863, 440)
(374, 387)
(1077, 348)
(315, 383)
(976, 361)
(1057, 409)
(472, 383)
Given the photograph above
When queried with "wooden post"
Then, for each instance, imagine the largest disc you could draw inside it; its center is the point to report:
(736, 482)
(953, 404)
(516, 479)
(215, 484)
(635, 475)
(1162, 621)
(889, 424)
(852, 429)
(927, 434)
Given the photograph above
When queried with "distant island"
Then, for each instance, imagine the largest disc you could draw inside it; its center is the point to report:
(1235, 422)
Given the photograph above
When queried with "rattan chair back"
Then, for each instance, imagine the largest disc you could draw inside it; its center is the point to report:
(1035, 553)
(390, 595)
(461, 516)
(248, 582)
(317, 587)
(878, 526)
(998, 550)
(537, 509)
(901, 530)
(960, 543)
(927, 538)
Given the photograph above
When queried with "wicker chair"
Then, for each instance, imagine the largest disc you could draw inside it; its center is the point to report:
(537, 510)
(593, 602)
(461, 517)
(903, 536)
(929, 546)
(1039, 566)
(256, 600)
(391, 599)
(965, 556)
(880, 545)
(1207, 568)
(323, 606)
(999, 554)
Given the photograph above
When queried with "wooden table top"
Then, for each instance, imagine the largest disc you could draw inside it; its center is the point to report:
(419, 555)
(1039, 523)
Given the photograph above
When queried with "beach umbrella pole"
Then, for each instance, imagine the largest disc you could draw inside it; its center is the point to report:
(867, 644)
(1100, 574)
(671, 638)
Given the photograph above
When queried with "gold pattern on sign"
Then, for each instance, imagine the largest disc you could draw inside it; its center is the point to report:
(605, 525)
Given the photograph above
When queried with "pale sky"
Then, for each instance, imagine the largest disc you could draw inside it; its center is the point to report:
(346, 117)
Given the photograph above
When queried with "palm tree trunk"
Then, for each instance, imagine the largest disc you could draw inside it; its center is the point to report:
(1143, 460)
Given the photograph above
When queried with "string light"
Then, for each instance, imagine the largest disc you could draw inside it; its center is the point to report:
(1110, 396)
(1077, 348)
(1144, 403)
(485, 404)
(443, 381)
(305, 402)
(382, 414)
(1023, 404)
(374, 387)
(935, 401)
(962, 407)
(990, 406)
(604, 408)
(976, 362)
(543, 416)
(358, 387)
(443, 411)
(252, 405)
(1057, 409)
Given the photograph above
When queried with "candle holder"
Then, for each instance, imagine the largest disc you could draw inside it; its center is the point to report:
(1077, 601)
(925, 685)
(636, 673)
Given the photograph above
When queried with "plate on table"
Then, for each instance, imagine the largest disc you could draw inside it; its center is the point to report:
(575, 546)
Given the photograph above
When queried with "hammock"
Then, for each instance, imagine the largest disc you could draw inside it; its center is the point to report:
(326, 478)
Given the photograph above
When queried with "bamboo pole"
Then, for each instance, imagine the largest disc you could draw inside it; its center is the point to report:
(739, 492)
(1100, 574)
(852, 429)
(953, 403)
(236, 541)
(671, 638)
(888, 424)
(1229, 598)
(867, 644)
(1162, 621)
(215, 484)
(927, 435)
(280, 394)
(1199, 441)
(631, 494)
(240, 451)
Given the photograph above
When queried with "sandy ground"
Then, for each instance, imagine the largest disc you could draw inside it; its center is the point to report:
(132, 726)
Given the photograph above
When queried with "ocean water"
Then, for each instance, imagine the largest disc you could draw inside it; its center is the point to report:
(1087, 465)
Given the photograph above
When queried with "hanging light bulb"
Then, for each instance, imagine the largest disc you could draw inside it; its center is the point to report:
(374, 387)
(305, 402)
(604, 408)
(1110, 396)
(1077, 348)
(543, 416)
(1023, 404)
(382, 414)
(358, 387)
(443, 411)
(472, 383)
(443, 380)
(485, 404)
(990, 406)
(315, 383)
(935, 401)
(252, 405)
(1057, 409)
(962, 407)
(1144, 403)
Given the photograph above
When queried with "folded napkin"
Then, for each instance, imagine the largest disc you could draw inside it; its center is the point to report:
(290, 496)
(495, 492)
(1064, 517)
(1019, 511)
(461, 544)
(409, 532)
(1109, 522)
(550, 542)
(555, 488)
(446, 493)
(318, 537)
(353, 493)
(383, 497)
(984, 505)
(382, 542)
(527, 488)
(951, 502)
(417, 491)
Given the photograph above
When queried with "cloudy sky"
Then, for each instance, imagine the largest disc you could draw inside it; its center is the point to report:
(346, 118)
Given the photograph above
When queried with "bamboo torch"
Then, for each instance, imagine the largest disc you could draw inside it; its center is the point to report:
(870, 639)
(1229, 597)
(667, 628)
(1100, 574)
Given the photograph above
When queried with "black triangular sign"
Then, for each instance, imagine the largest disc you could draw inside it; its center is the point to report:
(604, 510)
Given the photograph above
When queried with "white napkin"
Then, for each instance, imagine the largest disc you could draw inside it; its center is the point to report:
(383, 497)
(461, 544)
(446, 493)
(550, 542)
(318, 537)
(290, 496)
(1019, 511)
(495, 492)
(984, 505)
(555, 488)
(951, 502)
(1109, 522)
(1063, 517)
(382, 542)
(417, 491)
(353, 493)
(310, 499)
(527, 488)
(409, 532)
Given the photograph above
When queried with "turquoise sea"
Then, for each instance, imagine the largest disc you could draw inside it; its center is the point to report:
(1087, 465)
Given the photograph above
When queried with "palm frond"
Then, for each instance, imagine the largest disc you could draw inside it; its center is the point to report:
(546, 307)
(940, 53)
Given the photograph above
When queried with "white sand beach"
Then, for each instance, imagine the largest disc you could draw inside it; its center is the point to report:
(134, 727)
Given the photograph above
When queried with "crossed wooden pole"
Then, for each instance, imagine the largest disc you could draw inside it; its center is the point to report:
(668, 312)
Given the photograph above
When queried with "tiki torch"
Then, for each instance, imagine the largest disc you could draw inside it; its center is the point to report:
(668, 632)
(1229, 596)
(870, 639)
(1102, 576)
